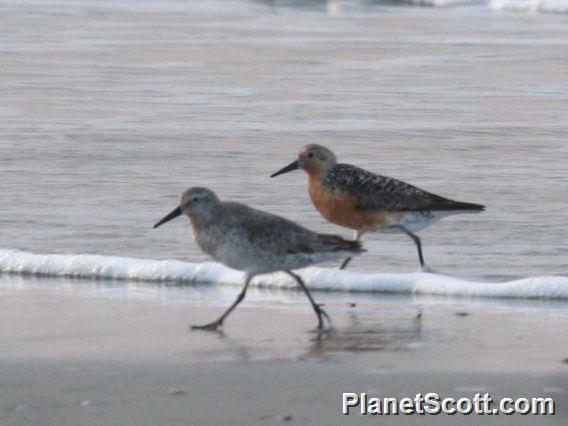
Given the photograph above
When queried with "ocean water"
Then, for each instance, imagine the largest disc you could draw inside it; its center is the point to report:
(110, 109)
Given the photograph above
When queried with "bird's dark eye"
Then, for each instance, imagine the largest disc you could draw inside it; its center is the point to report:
(311, 155)
(194, 199)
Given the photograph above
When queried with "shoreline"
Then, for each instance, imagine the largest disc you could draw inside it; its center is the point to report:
(128, 269)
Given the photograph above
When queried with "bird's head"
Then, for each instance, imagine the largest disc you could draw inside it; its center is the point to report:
(194, 202)
(312, 158)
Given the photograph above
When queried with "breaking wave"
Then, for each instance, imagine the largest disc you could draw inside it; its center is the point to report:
(91, 266)
(543, 6)
(534, 6)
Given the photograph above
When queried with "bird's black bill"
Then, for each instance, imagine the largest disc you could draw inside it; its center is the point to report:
(171, 215)
(294, 165)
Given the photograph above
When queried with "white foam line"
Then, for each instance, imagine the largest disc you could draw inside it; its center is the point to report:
(545, 6)
(125, 268)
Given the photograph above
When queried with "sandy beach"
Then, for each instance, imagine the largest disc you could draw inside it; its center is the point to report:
(96, 353)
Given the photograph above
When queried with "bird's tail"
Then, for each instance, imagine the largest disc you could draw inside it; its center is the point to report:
(462, 206)
(337, 243)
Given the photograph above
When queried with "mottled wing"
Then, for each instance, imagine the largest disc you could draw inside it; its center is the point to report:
(275, 234)
(373, 192)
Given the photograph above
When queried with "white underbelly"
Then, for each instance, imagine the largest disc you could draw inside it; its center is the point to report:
(252, 260)
(412, 221)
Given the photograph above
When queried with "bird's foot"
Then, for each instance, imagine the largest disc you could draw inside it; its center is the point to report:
(320, 334)
(321, 315)
(212, 326)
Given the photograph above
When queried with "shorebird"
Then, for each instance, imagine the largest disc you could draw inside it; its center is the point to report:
(366, 202)
(256, 242)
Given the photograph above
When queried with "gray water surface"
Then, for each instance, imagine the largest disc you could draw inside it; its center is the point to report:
(110, 109)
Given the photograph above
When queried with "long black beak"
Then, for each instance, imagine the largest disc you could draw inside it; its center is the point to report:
(171, 215)
(294, 165)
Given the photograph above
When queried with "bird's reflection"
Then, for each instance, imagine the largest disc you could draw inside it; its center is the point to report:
(363, 335)
(228, 348)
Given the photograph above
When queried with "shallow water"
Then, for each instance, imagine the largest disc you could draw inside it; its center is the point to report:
(110, 109)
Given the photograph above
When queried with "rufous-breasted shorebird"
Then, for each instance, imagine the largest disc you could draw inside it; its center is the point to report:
(256, 242)
(366, 202)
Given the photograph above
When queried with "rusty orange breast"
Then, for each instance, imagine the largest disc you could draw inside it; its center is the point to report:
(340, 208)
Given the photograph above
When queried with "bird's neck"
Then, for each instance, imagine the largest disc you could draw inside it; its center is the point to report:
(203, 217)
(316, 176)
(317, 187)
(207, 241)
(195, 225)
(316, 172)
(314, 169)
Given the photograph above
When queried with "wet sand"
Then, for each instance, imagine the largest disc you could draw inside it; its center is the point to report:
(100, 354)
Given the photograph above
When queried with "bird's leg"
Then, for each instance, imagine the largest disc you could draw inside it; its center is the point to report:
(219, 322)
(345, 263)
(418, 243)
(321, 314)
(357, 236)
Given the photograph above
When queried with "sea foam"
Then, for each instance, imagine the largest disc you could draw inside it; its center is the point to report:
(543, 6)
(534, 6)
(91, 266)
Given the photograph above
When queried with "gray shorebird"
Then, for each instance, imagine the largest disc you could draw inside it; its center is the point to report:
(366, 202)
(256, 242)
